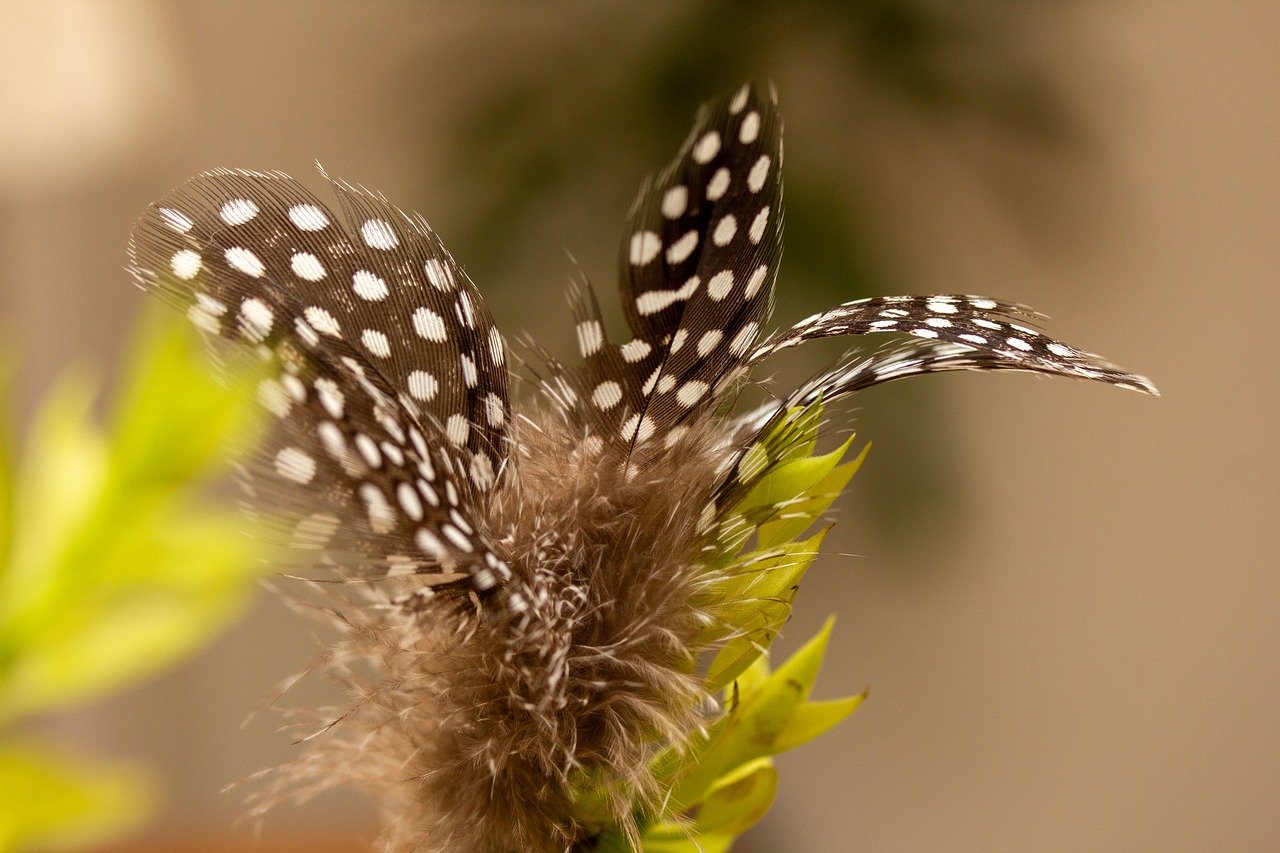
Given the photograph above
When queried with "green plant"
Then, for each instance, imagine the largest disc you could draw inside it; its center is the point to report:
(115, 564)
(724, 782)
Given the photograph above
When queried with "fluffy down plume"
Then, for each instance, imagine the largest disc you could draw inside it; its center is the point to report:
(533, 591)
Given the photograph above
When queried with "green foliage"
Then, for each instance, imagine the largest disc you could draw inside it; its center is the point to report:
(529, 139)
(50, 800)
(723, 783)
(114, 564)
(783, 488)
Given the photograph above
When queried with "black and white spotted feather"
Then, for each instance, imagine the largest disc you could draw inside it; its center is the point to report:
(390, 379)
(697, 266)
(956, 332)
(399, 457)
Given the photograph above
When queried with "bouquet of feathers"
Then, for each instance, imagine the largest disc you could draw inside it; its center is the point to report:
(553, 614)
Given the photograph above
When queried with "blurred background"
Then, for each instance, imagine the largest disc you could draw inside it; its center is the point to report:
(1064, 599)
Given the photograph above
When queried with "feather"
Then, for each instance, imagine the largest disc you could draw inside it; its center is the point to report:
(526, 616)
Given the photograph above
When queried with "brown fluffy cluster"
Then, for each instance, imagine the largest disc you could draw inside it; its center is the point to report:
(481, 719)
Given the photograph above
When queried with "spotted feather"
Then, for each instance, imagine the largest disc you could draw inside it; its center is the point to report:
(389, 380)
(697, 266)
(998, 330)
(593, 532)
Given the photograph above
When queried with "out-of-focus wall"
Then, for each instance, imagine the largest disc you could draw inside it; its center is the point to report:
(1084, 657)
(1097, 667)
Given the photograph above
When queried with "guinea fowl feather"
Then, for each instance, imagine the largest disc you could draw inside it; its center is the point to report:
(528, 607)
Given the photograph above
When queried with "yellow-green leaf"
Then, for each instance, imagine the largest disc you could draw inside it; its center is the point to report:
(740, 653)
(46, 800)
(751, 678)
(6, 476)
(787, 481)
(764, 714)
(749, 729)
(812, 719)
(678, 837)
(797, 435)
(738, 799)
(116, 569)
(176, 419)
(754, 461)
(126, 637)
(766, 574)
(58, 483)
(698, 844)
(798, 516)
(731, 534)
(702, 762)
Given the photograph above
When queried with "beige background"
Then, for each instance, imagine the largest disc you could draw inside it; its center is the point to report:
(1084, 656)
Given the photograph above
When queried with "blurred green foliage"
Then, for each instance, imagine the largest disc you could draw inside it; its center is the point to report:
(116, 562)
(50, 800)
(614, 95)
